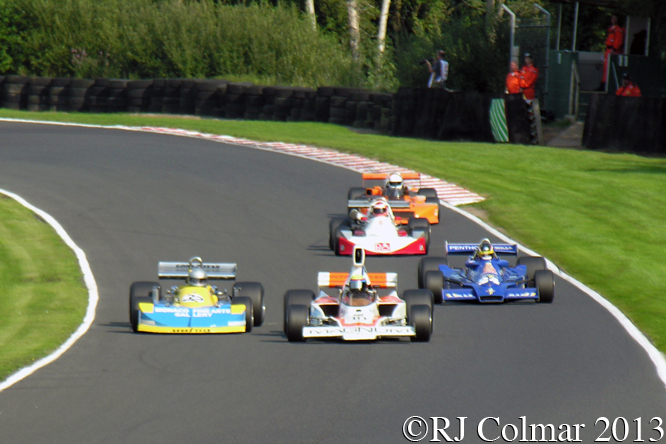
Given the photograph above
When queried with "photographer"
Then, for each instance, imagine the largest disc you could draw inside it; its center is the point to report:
(439, 72)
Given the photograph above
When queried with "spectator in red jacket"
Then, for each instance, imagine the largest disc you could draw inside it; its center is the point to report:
(530, 75)
(628, 88)
(614, 44)
(513, 79)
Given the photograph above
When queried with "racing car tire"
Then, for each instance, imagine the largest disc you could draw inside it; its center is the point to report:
(428, 192)
(298, 316)
(336, 242)
(418, 224)
(255, 291)
(418, 297)
(333, 226)
(533, 263)
(140, 292)
(544, 282)
(355, 193)
(434, 282)
(420, 317)
(432, 200)
(296, 297)
(429, 264)
(249, 312)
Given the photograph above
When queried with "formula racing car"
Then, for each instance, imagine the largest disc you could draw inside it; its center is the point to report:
(406, 202)
(196, 306)
(357, 306)
(486, 278)
(378, 233)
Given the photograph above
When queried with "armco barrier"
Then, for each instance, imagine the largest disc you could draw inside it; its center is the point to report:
(418, 112)
(629, 124)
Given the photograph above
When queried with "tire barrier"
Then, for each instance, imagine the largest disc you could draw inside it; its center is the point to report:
(412, 112)
(627, 124)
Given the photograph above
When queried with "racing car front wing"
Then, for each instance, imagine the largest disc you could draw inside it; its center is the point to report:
(358, 333)
(160, 318)
(469, 294)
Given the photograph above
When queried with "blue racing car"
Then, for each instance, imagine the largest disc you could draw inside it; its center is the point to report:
(486, 277)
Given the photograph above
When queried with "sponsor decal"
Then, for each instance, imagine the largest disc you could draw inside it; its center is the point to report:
(459, 296)
(382, 247)
(192, 298)
(177, 311)
(236, 323)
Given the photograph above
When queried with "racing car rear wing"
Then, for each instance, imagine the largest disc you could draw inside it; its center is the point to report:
(471, 248)
(180, 270)
(378, 280)
(384, 176)
(365, 203)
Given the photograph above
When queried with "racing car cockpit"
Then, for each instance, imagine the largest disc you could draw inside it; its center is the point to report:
(358, 293)
(394, 187)
(484, 267)
(197, 277)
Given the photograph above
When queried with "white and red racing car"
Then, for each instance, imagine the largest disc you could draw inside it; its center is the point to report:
(357, 306)
(379, 232)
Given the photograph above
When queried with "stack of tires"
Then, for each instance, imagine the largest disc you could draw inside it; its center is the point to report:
(206, 97)
(235, 100)
(38, 94)
(15, 90)
(117, 102)
(99, 96)
(254, 102)
(303, 105)
(323, 103)
(139, 93)
(338, 107)
(171, 101)
(157, 96)
(188, 97)
(221, 101)
(59, 94)
(79, 94)
(382, 111)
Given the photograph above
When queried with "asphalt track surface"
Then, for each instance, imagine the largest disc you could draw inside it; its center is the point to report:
(131, 199)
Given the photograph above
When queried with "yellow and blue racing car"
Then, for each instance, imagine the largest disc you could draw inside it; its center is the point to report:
(196, 306)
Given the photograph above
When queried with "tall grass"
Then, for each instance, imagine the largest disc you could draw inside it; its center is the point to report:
(174, 39)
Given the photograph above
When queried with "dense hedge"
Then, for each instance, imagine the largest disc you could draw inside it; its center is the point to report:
(150, 39)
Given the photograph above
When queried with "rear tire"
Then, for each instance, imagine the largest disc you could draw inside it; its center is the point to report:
(420, 317)
(296, 297)
(298, 317)
(533, 263)
(428, 193)
(434, 282)
(544, 282)
(255, 291)
(356, 193)
(429, 264)
(249, 315)
(140, 292)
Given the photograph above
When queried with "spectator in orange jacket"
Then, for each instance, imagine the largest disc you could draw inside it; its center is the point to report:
(530, 75)
(628, 88)
(513, 79)
(614, 45)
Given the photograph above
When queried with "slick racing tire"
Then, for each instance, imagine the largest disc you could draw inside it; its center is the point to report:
(533, 263)
(544, 282)
(434, 282)
(428, 193)
(419, 224)
(420, 317)
(333, 226)
(417, 297)
(356, 193)
(298, 317)
(255, 291)
(249, 312)
(296, 297)
(429, 264)
(140, 292)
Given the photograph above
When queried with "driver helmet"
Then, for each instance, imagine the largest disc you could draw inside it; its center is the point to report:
(394, 185)
(485, 250)
(379, 208)
(197, 277)
(357, 284)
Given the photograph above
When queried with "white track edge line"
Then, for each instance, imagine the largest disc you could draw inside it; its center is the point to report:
(89, 280)
(657, 358)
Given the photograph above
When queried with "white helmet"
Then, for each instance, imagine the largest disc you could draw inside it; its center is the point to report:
(393, 185)
(197, 277)
(379, 208)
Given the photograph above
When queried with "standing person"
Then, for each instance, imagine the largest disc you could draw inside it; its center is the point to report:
(530, 75)
(513, 79)
(628, 88)
(614, 45)
(438, 73)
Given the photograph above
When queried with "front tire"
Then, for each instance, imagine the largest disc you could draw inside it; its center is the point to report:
(356, 193)
(544, 282)
(255, 291)
(249, 315)
(296, 297)
(533, 264)
(333, 226)
(420, 317)
(429, 264)
(298, 317)
(140, 292)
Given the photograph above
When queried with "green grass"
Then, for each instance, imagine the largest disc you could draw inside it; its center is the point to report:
(598, 216)
(42, 296)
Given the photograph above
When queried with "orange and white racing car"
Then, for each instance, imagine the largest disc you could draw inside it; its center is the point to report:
(405, 201)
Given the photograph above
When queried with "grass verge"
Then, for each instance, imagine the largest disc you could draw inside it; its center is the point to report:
(42, 295)
(599, 216)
